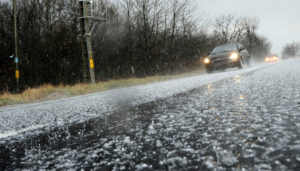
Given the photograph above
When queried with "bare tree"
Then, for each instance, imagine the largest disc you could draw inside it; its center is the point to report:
(176, 9)
(228, 28)
(250, 26)
(291, 50)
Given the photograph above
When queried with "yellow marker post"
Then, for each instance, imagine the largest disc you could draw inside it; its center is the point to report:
(91, 63)
(17, 74)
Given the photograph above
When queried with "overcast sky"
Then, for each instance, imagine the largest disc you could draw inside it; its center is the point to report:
(279, 19)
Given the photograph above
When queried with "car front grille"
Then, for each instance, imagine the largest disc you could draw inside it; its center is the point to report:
(217, 60)
(220, 62)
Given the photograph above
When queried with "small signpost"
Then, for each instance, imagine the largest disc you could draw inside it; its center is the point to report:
(17, 72)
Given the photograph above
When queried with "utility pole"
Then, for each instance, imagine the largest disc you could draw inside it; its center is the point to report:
(86, 32)
(17, 72)
(88, 38)
(84, 56)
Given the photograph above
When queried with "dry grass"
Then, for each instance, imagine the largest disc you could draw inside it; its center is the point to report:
(49, 92)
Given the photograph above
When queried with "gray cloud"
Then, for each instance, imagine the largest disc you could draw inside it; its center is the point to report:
(279, 19)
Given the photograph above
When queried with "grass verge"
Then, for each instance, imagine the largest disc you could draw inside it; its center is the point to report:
(50, 92)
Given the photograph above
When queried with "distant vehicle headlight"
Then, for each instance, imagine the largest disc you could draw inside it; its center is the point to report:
(271, 59)
(206, 61)
(234, 56)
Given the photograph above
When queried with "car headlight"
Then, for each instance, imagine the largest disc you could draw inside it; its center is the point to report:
(234, 56)
(206, 61)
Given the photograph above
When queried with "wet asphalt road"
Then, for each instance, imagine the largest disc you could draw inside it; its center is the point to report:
(248, 121)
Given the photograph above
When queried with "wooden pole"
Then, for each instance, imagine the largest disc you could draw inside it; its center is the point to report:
(17, 72)
(89, 41)
(84, 56)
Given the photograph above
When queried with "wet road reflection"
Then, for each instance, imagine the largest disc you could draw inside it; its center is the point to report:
(237, 79)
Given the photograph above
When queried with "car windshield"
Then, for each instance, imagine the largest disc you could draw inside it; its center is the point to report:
(224, 48)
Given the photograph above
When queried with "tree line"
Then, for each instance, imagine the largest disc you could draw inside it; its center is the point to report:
(138, 39)
(291, 50)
